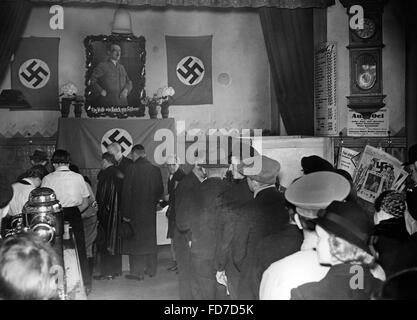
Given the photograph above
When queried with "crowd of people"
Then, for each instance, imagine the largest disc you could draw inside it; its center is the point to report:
(234, 235)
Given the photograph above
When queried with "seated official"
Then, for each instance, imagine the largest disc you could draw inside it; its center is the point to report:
(25, 269)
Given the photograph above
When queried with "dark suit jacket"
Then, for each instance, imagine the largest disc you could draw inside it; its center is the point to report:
(389, 235)
(269, 250)
(123, 164)
(184, 197)
(260, 217)
(336, 286)
(209, 222)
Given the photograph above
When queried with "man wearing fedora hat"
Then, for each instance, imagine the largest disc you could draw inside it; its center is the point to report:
(210, 227)
(264, 215)
(344, 233)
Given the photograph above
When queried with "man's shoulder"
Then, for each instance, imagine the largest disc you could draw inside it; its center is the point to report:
(298, 259)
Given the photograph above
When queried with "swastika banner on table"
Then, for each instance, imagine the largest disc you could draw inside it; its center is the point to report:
(87, 139)
(35, 71)
(190, 69)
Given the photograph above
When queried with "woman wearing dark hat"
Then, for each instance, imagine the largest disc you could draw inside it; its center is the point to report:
(390, 230)
(344, 231)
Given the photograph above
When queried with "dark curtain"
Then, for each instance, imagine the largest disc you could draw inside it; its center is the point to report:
(289, 38)
(410, 8)
(13, 18)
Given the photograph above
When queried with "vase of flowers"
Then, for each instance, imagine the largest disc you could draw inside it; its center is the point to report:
(160, 98)
(68, 97)
(166, 94)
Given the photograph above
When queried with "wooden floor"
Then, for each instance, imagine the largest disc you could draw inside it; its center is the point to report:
(164, 286)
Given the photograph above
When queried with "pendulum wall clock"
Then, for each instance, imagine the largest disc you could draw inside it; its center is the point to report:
(365, 54)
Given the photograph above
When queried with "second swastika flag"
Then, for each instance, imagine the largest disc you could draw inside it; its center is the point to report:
(34, 71)
(190, 69)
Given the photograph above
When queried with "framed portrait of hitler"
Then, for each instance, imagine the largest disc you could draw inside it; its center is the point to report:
(115, 76)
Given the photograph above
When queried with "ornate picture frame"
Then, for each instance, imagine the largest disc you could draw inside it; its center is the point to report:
(115, 76)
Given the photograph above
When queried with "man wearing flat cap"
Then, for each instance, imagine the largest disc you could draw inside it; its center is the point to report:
(264, 215)
(210, 228)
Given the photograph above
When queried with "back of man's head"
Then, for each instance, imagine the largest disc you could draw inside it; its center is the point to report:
(139, 151)
(61, 157)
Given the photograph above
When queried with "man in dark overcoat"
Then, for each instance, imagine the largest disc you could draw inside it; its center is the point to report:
(142, 189)
(263, 216)
(184, 197)
(210, 229)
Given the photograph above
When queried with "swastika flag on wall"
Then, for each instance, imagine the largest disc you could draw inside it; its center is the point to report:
(35, 71)
(189, 69)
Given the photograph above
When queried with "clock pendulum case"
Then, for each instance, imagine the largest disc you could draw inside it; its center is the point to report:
(365, 54)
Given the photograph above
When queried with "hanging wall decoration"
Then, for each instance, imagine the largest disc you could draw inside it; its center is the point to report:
(115, 76)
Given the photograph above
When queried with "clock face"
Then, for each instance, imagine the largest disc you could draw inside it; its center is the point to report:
(366, 73)
(368, 30)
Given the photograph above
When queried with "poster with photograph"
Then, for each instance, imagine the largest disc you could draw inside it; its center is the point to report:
(348, 160)
(115, 76)
(377, 172)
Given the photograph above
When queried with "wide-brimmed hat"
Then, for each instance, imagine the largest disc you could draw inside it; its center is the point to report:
(39, 155)
(412, 155)
(268, 171)
(346, 220)
(317, 190)
(315, 164)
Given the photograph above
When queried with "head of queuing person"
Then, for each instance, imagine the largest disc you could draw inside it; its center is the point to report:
(311, 193)
(122, 162)
(315, 163)
(72, 192)
(29, 181)
(26, 269)
(343, 231)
